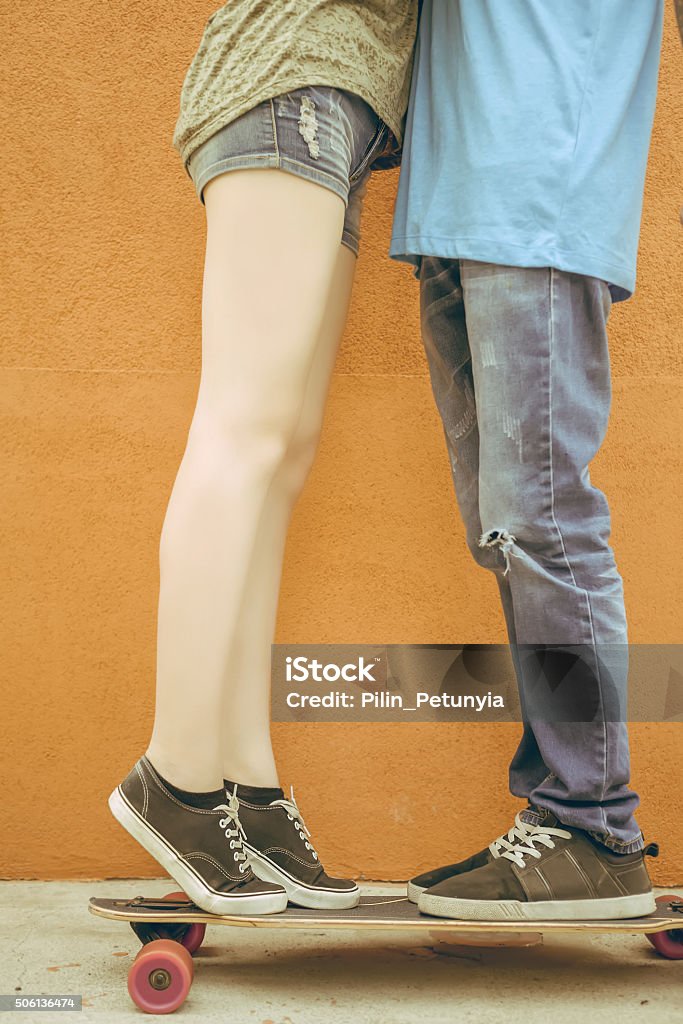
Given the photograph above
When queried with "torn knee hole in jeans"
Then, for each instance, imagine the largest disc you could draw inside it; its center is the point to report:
(308, 125)
(502, 539)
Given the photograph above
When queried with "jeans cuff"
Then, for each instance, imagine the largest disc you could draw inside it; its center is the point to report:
(618, 845)
(535, 815)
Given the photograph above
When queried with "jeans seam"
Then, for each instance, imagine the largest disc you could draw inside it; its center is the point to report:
(564, 550)
(551, 335)
(274, 124)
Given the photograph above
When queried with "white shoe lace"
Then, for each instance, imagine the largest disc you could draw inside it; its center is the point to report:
(236, 835)
(518, 833)
(519, 842)
(294, 814)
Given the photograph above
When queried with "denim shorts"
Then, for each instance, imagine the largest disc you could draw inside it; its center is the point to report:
(325, 134)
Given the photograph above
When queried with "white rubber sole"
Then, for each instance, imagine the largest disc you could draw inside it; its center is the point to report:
(612, 909)
(187, 878)
(415, 891)
(302, 895)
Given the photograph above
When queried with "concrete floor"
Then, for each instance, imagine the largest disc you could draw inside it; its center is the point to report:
(52, 944)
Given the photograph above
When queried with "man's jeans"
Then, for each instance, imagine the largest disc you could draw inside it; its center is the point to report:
(519, 365)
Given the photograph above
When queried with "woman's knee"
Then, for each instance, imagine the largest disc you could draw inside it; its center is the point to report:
(255, 441)
(246, 439)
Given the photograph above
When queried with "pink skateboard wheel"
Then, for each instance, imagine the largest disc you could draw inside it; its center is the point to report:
(160, 977)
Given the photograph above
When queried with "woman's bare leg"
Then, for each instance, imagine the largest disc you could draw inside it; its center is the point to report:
(271, 255)
(247, 750)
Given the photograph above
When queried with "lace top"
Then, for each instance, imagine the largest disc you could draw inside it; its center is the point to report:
(252, 50)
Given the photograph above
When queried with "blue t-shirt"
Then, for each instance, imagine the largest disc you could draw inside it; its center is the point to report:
(527, 134)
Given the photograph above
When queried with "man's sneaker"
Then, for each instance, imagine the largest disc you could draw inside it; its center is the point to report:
(556, 874)
(200, 849)
(280, 849)
(420, 883)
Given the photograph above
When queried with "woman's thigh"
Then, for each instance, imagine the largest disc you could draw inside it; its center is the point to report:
(271, 258)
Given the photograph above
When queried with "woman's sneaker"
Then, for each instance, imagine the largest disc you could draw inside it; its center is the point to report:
(558, 873)
(280, 849)
(201, 849)
(420, 883)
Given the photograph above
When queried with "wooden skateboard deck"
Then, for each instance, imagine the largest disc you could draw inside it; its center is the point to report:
(392, 912)
(172, 928)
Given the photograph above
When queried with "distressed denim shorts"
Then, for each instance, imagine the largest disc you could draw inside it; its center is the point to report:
(319, 132)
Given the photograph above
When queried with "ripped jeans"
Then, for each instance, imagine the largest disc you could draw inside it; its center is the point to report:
(519, 365)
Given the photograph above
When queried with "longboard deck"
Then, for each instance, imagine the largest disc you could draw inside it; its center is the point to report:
(377, 912)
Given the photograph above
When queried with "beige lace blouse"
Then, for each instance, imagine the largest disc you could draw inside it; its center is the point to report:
(252, 50)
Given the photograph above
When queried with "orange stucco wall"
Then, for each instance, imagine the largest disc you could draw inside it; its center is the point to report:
(102, 261)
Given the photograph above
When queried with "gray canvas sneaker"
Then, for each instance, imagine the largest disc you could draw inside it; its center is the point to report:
(201, 849)
(558, 873)
(280, 849)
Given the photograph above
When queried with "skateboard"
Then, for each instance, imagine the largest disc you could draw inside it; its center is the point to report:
(171, 928)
